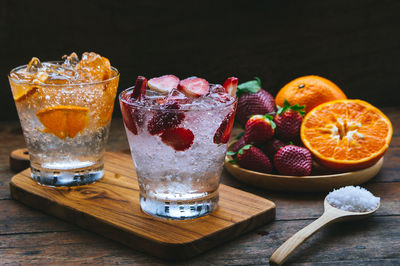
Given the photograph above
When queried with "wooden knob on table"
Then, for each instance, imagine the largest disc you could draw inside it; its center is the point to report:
(19, 160)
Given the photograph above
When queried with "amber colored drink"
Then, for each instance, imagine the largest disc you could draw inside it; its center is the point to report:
(65, 110)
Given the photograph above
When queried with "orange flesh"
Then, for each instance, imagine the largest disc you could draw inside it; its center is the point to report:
(23, 92)
(64, 121)
(346, 134)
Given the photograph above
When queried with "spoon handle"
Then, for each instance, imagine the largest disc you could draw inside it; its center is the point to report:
(283, 252)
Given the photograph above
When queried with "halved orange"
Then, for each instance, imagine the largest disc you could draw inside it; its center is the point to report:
(64, 121)
(346, 135)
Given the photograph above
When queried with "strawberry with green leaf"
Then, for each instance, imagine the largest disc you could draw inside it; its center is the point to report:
(252, 158)
(259, 129)
(253, 100)
(288, 121)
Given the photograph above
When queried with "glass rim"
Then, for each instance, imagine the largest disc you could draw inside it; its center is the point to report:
(113, 69)
(186, 107)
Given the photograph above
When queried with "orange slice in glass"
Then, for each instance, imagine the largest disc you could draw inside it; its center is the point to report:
(106, 112)
(22, 92)
(346, 135)
(64, 121)
(107, 106)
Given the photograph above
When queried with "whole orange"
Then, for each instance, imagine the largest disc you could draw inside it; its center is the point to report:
(310, 91)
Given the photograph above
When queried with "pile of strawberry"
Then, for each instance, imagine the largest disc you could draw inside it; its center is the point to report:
(266, 144)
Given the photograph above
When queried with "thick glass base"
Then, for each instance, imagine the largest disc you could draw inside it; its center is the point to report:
(179, 210)
(67, 177)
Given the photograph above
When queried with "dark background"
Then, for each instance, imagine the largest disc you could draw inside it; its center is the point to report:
(356, 44)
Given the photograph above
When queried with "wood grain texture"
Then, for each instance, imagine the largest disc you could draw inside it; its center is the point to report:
(111, 207)
(19, 160)
(330, 215)
(359, 243)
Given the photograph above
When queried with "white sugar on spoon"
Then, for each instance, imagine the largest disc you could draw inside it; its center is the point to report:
(346, 203)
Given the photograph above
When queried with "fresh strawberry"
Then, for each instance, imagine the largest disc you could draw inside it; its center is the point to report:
(238, 144)
(272, 147)
(167, 117)
(288, 121)
(178, 138)
(230, 85)
(252, 158)
(163, 84)
(194, 86)
(140, 88)
(128, 117)
(253, 100)
(293, 160)
(259, 129)
(133, 117)
(225, 128)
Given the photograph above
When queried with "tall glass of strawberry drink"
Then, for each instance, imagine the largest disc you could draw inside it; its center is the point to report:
(178, 132)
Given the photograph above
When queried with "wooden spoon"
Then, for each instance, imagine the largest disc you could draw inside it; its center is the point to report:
(330, 215)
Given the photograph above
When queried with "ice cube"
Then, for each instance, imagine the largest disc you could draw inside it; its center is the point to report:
(176, 94)
(154, 94)
(94, 66)
(216, 88)
(71, 60)
(33, 65)
(218, 94)
(59, 74)
(89, 57)
(53, 78)
(153, 98)
(22, 76)
(220, 97)
(41, 77)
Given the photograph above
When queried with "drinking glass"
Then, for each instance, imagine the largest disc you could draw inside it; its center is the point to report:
(65, 127)
(177, 181)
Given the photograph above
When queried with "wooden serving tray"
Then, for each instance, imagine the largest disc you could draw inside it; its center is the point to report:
(316, 182)
(111, 207)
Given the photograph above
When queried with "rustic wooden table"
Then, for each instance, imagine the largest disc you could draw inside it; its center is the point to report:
(29, 236)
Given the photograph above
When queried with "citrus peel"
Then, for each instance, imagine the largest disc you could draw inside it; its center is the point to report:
(310, 91)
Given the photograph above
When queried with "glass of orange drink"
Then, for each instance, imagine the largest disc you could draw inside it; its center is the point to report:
(65, 109)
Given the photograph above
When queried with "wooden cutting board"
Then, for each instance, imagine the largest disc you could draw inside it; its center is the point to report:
(111, 208)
